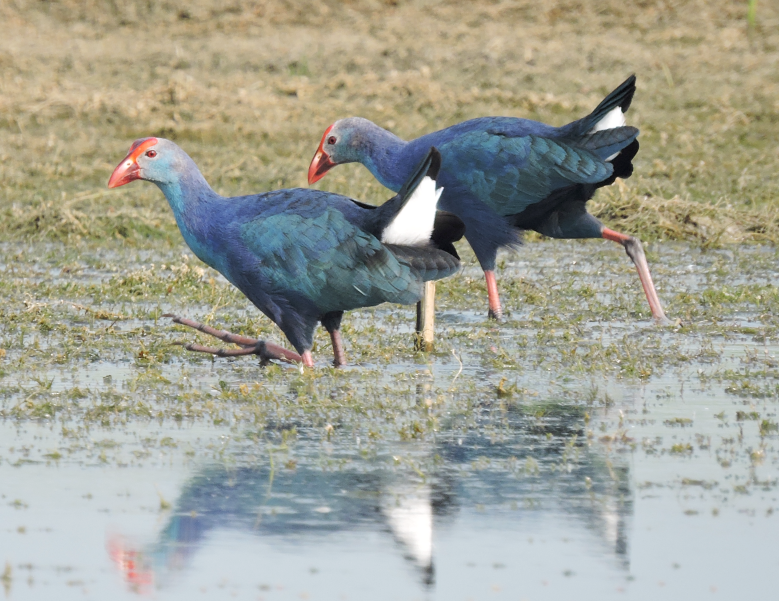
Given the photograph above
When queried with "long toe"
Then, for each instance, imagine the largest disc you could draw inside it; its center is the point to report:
(223, 335)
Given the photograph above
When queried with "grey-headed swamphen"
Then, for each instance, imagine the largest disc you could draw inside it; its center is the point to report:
(502, 175)
(303, 256)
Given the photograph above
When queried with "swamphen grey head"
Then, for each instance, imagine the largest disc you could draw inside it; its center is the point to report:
(350, 140)
(152, 159)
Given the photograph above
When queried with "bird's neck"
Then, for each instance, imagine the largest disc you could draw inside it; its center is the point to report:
(384, 158)
(187, 193)
(194, 206)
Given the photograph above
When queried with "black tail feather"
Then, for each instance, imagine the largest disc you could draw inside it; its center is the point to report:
(428, 167)
(606, 142)
(622, 163)
(605, 138)
(621, 97)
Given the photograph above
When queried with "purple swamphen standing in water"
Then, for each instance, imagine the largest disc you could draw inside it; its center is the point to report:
(303, 256)
(502, 175)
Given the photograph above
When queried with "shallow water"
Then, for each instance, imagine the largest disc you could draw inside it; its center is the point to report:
(574, 450)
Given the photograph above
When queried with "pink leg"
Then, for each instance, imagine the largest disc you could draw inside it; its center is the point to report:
(635, 251)
(339, 357)
(496, 311)
(307, 359)
(249, 346)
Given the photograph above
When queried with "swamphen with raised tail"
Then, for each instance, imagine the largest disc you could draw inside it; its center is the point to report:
(502, 175)
(303, 256)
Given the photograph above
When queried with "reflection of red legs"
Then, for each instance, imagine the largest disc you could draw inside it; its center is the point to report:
(635, 251)
(249, 346)
(496, 311)
(135, 568)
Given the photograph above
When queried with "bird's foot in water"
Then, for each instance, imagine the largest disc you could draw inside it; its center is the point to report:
(266, 351)
(493, 299)
(635, 250)
(496, 314)
(663, 321)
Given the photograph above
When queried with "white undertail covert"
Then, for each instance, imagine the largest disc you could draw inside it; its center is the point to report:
(614, 118)
(413, 225)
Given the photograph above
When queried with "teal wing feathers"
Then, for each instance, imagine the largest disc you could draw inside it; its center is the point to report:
(324, 258)
(511, 173)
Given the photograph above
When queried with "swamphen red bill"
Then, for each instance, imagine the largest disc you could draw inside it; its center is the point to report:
(502, 175)
(303, 256)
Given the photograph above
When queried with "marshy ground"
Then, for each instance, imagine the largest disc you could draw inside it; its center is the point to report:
(574, 447)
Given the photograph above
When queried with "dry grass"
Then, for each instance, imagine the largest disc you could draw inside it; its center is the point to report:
(709, 224)
(248, 87)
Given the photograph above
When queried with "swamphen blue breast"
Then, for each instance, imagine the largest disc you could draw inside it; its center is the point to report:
(502, 174)
(303, 256)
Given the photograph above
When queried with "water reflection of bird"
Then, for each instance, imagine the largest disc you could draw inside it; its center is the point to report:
(503, 174)
(303, 256)
(512, 464)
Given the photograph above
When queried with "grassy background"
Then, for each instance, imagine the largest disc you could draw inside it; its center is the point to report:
(247, 87)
